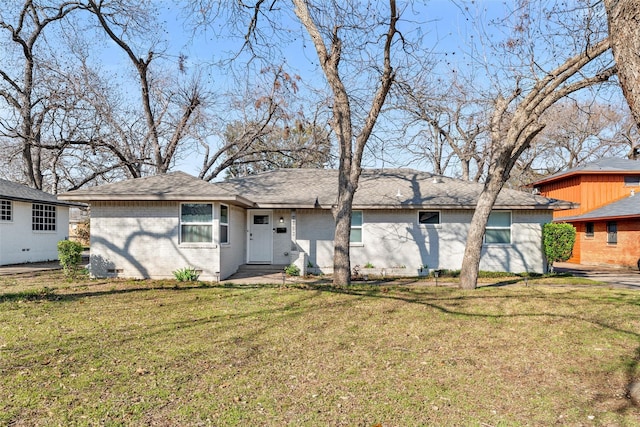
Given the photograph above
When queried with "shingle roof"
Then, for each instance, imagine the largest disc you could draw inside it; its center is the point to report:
(628, 207)
(606, 165)
(378, 188)
(170, 186)
(19, 192)
(309, 188)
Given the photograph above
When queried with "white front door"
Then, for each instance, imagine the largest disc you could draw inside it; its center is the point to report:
(260, 237)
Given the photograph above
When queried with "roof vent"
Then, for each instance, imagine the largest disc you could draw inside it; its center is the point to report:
(399, 194)
(436, 180)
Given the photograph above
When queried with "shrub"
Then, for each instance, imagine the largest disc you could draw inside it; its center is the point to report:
(186, 274)
(368, 265)
(292, 270)
(69, 255)
(558, 240)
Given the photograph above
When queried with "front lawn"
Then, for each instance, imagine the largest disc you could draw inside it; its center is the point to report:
(158, 353)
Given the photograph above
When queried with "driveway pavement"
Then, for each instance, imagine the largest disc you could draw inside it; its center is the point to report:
(31, 267)
(618, 277)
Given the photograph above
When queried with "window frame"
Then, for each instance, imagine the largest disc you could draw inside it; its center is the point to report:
(498, 228)
(200, 223)
(612, 232)
(6, 210)
(44, 218)
(632, 181)
(359, 227)
(430, 224)
(222, 225)
(589, 234)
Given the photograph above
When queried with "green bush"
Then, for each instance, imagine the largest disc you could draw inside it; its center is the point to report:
(186, 274)
(69, 255)
(558, 240)
(292, 270)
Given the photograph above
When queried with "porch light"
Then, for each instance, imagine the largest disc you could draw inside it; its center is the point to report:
(281, 220)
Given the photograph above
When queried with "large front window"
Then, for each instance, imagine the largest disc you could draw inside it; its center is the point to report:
(196, 223)
(498, 228)
(356, 227)
(43, 217)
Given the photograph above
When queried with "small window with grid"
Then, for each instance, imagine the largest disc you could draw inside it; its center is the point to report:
(43, 217)
(6, 210)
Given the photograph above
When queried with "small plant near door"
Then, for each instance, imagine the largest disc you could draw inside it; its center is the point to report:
(292, 270)
(186, 274)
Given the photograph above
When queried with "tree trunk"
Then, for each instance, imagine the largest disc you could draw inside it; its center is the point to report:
(623, 17)
(475, 238)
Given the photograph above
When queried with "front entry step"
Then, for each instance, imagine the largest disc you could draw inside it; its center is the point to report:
(257, 270)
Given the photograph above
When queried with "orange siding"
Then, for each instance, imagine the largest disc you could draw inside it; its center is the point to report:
(591, 191)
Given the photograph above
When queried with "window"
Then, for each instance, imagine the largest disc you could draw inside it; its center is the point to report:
(632, 181)
(6, 210)
(612, 232)
(498, 228)
(428, 217)
(196, 223)
(224, 224)
(356, 227)
(589, 229)
(43, 217)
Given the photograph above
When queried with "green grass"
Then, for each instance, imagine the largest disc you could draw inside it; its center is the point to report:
(164, 353)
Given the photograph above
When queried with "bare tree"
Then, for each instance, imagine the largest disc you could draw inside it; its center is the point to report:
(513, 130)
(25, 91)
(452, 126)
(624, 32)
(163, 145)
(327, 29)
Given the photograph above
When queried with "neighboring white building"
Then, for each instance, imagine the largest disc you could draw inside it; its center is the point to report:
(32, 223)
(403, 220)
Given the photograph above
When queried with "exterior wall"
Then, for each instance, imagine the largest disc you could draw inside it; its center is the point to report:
(591, 191)
(393, 239)
(19, 244)
(141, 240)
(232, 255)
(282, 244)
(596, 251)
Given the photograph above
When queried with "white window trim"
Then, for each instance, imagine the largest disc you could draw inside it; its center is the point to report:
(45, 207)
(221, 224)
(10, 204)
(360, 227)
(180, 223)
(484, 238)
(438, 225)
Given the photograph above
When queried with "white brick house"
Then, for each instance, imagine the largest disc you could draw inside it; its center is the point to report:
(403, 220)
(32, 223)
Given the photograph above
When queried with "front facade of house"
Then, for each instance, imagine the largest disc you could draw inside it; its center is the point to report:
(607, 221)
(32, 223)
(403, 221)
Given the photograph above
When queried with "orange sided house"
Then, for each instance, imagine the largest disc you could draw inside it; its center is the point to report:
(608, 217)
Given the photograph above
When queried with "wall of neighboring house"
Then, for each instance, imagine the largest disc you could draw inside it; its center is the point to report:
(596, 251)
(393, 239)
(141, 240)
(593, 191)
(20, 244)
(590, 190)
